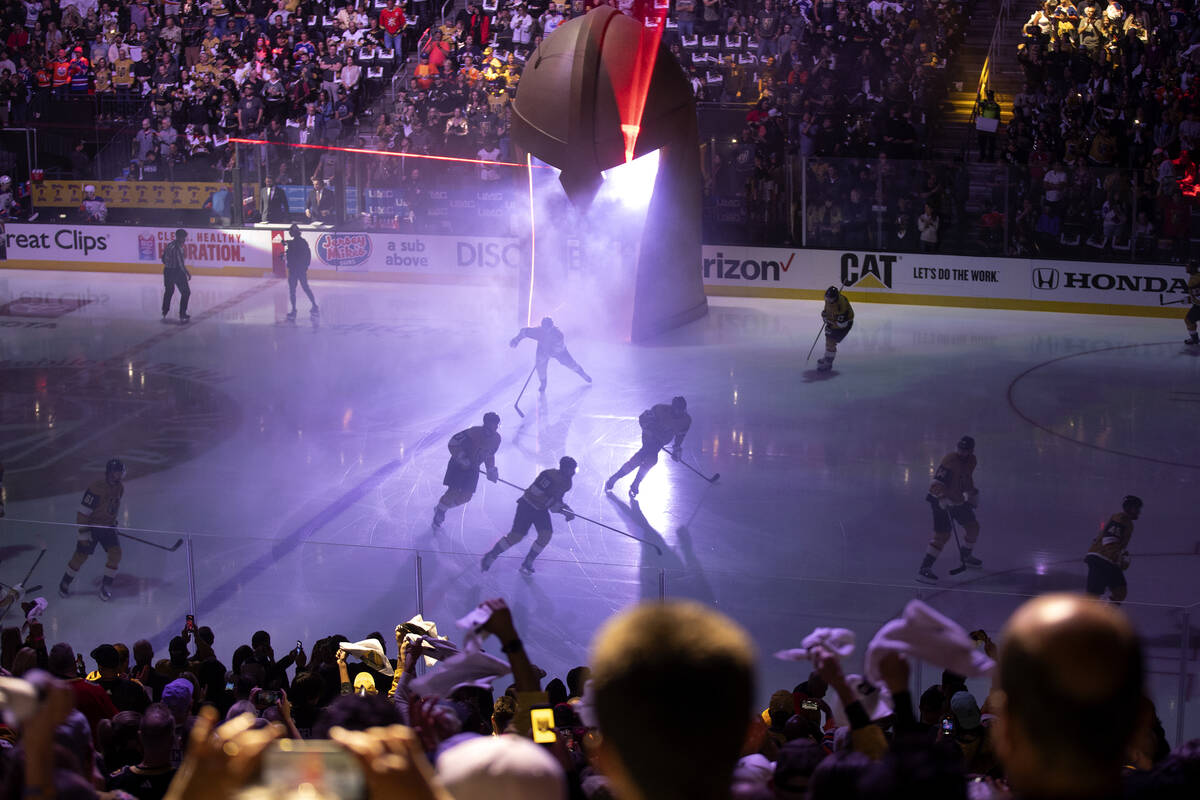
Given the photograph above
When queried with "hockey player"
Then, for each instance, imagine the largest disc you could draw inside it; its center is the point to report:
(839, 319)
(953, 495)
(660, 424)
(1108, 557)
(544, 495)
(550, 345)
(1193, 314)
(468, 450)
(97, 517)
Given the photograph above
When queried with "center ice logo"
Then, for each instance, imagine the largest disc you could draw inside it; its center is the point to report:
(344, 249)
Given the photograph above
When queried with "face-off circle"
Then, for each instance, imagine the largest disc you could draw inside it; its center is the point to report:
(62, 424)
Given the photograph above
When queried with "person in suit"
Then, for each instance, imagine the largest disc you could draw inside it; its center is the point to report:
(274, 202)
(320, 207)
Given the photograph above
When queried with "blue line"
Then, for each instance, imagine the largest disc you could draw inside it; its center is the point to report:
(213, 599)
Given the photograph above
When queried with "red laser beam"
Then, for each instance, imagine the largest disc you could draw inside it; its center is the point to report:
(393, 154)
(633, 104)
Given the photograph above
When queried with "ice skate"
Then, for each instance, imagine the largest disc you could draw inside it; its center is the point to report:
(486, 562)
(184, 318)
(1192, 340)
(925, 575)
(291, 314)
(633, 490)
(63, 589)
(824, 364)
(105, 592)
(970, 560)
(439, 516)
(315, 311)
(526, 569)
(610, 483)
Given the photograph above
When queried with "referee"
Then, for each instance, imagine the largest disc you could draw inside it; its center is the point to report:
(298, 258)
(175, 276)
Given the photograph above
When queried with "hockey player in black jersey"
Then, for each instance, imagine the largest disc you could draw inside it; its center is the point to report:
(551, 344)
(661, 424)
(544, 495)
(469, 450)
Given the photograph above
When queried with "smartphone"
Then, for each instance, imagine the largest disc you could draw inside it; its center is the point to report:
(229, 686)
(543, 725)
(328, 769)
(190, 623)
(299, 647)
(266, 698)
(948, 725)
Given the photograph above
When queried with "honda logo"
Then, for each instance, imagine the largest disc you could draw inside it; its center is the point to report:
(1045, 278)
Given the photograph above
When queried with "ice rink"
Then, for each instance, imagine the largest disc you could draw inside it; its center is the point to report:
(300, 463)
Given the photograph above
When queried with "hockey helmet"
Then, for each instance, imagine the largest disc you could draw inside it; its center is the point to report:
(491, 420)
(114, 467)
(547, 322)
(966, 443)
(5, 182)
(567, 464)
(678, 404)
(1193, 266)
(832, 294)
(1132, 504)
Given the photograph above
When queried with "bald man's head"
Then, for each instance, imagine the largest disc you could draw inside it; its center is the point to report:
(1071, 672)
(673, 685)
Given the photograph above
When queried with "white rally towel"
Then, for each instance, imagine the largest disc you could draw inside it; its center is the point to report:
(419, 628)
(838, 641)
(474, 668)
(369, 652)
(924, 633)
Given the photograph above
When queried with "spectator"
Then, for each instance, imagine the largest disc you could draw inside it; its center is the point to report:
(124, 693)
(152, 775)
(928, 224)
(93, 208)
(220, 206)
(1070, 674)
(652, 746)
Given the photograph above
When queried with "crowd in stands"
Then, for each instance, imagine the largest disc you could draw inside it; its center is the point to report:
(193, 74)
(663, 711)
(1105, 131)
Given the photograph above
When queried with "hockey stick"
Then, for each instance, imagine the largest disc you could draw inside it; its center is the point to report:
(171, 549)
(516, 404)
(962, 562)
(814, 344)
(21, 585)
(1172, 303)
(576, 514)
(713, 479)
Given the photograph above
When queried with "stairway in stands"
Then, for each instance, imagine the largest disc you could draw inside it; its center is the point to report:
(957, 130)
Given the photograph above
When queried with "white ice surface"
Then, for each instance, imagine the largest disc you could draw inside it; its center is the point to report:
(303, 464)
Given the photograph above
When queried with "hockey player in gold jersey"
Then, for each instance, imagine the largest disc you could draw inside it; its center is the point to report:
(839, 319)
(469, 449)
(661, 424)
(544, 495)
(953, 495)
(1193, 315)
(1108, 557)
(97, 516)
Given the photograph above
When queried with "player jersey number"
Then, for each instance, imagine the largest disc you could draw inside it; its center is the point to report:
(90, 500)
(1113, 533)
